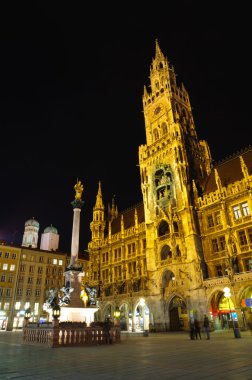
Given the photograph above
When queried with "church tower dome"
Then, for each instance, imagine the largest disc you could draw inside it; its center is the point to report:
(30, 237)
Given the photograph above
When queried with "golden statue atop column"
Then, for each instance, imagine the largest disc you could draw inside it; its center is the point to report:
(78, 189)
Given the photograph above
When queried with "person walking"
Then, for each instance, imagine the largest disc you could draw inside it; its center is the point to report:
(192, 330)
(197, 329)
(206, 325)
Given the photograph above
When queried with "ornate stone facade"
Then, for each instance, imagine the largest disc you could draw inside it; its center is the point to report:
(169, 258)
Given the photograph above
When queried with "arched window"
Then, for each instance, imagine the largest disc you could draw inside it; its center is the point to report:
(166, 278)
(175, 226)
(156, 136)
(164, 128)
(166, 252)
(163, 228)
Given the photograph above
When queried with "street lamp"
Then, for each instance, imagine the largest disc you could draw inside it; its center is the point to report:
(117, 313)
(27, 314)
(56, 312)
(227, 294)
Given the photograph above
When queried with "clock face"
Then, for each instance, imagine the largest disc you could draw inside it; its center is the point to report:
(157, 110)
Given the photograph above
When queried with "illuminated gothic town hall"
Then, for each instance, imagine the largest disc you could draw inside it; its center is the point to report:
(184, 251)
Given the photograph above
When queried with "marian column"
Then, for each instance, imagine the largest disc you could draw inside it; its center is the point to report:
(77, 204)
(74, 272)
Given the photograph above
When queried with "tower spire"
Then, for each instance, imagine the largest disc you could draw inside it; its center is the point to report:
(99, 202)
(97, 226)
(158, 50)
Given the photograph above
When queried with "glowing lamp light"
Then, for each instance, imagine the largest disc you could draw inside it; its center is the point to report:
(27, 314)
(227, 293)
(56, 312)
(84, 297)
(117, 312)
(142, 302)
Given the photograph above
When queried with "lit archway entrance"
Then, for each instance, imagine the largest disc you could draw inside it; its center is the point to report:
(246, 307)
(124, 317)
(178, 314)
(141, 316)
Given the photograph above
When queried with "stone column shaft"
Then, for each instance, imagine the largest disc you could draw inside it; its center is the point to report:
(75, 237)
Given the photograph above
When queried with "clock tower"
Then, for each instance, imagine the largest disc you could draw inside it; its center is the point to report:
(173, 164)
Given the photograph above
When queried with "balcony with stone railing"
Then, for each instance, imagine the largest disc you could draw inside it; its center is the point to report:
(225, 280)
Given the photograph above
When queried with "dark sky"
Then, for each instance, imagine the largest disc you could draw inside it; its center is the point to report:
(71, 88)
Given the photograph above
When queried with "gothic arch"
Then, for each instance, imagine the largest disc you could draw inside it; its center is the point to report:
(163, 228)
(165, 252)
(167, 277)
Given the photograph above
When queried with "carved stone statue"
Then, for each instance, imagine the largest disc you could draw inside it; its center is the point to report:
(78, 190)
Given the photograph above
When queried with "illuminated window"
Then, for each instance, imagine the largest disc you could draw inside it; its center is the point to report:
(55, 261)
(27, 305)
(241, 210)
(245, 209)
(60, 262)
(5, 266)
(36, 307)
(17, 305)
(6, 306)
(12, 267)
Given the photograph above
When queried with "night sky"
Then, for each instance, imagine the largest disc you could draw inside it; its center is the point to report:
(71, 86)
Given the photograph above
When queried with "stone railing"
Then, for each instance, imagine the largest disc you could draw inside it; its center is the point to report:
(54, 335)
(225, 280)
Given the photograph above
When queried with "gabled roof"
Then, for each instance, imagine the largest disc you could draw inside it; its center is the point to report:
(229, 170)
(128, 218)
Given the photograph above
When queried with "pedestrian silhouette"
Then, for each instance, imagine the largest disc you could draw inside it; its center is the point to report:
(192, 330)
(206, 325)
(197, 329)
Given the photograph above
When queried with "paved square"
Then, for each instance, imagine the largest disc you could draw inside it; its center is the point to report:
(158, 356)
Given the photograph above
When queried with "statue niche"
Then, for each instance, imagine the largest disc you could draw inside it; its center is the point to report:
(163, 186)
